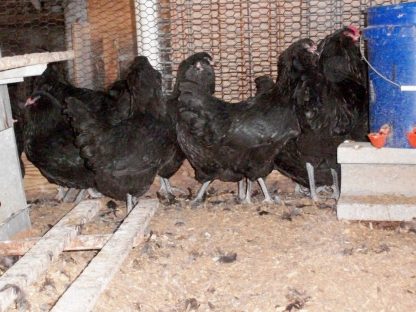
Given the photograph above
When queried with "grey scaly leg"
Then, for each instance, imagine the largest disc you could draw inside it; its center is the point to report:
(335, 185)
(163, 187)
(61, 193)
(201, 192)
(267, 197)
(131, 202)
(71, 195)
(81, 195)
(247, 199)
(167, 189)
(241, 193)
(311, 177)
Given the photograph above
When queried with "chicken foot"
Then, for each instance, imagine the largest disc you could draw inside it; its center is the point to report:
(166, 189)
(200, 195)
(301, 190)
(314, 190)
(267, 197)
(61, 193)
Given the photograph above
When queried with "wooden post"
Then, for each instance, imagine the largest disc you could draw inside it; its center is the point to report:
(14, 216)
(83, 293)
(37, 260)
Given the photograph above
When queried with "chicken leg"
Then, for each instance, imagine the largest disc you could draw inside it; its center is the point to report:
(81, 195)
(166, 189)
(201, 192)
(247, 198)
(312, 186)
(241, 193)
(131, 202)
(71, 195)
(267, 197)
(61, 193)
(335, 185)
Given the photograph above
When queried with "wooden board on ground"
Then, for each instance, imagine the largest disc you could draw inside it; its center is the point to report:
(36, 262)
(84, 292)
(81, 242)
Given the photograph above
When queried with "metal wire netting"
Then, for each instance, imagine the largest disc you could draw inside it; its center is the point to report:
(245, 37)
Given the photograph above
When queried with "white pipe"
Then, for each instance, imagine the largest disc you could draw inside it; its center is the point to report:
(147, 31)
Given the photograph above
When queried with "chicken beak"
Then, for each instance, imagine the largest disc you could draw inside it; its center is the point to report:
(31, 100)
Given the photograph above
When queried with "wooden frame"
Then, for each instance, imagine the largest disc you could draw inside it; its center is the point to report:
(85, 290)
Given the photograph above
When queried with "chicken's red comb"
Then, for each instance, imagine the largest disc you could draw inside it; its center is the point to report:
(354, 29)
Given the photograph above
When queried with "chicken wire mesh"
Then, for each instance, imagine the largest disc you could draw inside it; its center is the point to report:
(244, 37)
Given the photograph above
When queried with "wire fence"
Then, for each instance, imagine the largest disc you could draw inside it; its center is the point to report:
(245, 37)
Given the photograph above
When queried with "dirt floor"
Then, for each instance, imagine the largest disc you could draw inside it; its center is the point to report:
(228, 257)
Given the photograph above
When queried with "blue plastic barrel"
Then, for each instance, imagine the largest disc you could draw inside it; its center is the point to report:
(391, 37)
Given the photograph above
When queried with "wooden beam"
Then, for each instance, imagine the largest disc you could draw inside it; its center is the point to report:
(36, 262)
(11, 80)
(83, 293)
(10, 62)
(81, 242)
(21, 72)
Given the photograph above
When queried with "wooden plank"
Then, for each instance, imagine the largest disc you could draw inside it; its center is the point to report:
(11, 80)
(21, 72)
(36, 262)
(10, 62)
(14, 215)
(82, 295)
(5, 108)
(82, 242)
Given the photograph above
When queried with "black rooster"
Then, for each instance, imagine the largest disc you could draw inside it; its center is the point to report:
(331, 106)
(227, 141)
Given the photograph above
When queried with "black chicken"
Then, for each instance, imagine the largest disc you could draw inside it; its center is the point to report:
(227, 141)
(170, 106)
(49, 143)
(49, 138)
(331, 106)
(127, 155)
